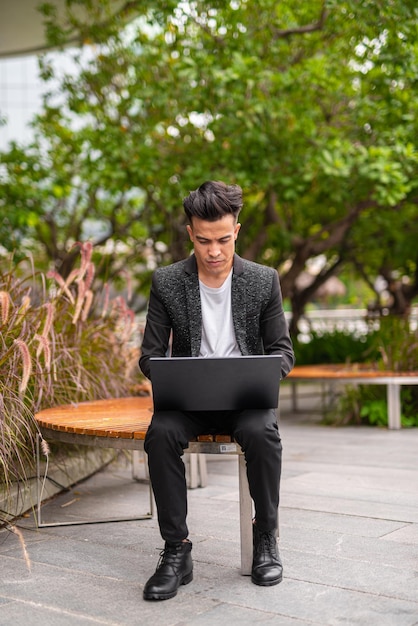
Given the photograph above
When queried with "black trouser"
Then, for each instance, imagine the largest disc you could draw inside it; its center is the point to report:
(169, 433)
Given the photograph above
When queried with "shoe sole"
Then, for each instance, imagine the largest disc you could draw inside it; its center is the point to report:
(166, 596)
(268, 583)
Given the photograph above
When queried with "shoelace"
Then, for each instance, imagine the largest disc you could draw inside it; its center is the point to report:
(266, 543)
(166, 553)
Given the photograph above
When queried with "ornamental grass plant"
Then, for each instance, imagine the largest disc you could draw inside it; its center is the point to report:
(60, 342)
(393, 346)
(397, 345)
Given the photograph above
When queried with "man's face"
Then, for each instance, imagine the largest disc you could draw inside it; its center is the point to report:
(214, 247)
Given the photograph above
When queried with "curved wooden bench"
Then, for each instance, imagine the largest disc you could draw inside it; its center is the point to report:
(122, 423)
(358, 374)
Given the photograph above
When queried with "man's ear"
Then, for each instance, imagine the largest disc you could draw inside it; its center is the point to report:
(237, 228)
(190, 231)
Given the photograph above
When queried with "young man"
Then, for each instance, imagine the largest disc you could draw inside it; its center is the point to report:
(214, 304)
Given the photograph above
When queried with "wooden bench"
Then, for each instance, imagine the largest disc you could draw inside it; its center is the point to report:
(122, 424)
(357, 374)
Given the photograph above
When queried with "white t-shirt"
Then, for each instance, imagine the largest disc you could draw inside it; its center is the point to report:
(218, 335)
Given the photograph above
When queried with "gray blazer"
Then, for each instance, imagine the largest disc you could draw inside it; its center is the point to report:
(174, 311)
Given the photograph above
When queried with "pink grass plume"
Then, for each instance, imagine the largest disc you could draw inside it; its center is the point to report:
(27, 364)
(5, 306)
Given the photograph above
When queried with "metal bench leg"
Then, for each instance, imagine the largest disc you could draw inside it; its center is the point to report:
(41, 480)
(140, 473)
(245, 517)
(393, 392)
(139, 466)
(197, 471)
(203, 472)
(193, 471)
(294, 392)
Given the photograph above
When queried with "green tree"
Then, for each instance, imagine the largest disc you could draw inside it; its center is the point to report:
(311, 107)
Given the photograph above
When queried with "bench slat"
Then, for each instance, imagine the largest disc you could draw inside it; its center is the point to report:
(343, 371)
(119, 418)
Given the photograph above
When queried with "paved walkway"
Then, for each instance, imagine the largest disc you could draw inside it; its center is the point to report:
(349, 543)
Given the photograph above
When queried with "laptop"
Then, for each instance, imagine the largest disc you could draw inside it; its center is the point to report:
(216, 384)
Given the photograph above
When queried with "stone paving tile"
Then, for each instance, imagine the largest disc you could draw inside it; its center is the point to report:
(348, 538)
(238, 616)
(88, 557)
(40, 615)
(370, 549)
(107, 600)
(407, 534)
(397, 582)
(348, 506)
(357, 488)
(315, 602)
(298, 519)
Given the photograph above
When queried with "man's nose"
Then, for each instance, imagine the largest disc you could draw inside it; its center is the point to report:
(214, 250)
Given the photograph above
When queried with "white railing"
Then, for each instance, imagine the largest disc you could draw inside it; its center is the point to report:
(355, 321)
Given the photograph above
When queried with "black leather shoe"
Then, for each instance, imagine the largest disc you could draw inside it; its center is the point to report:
(174, 568)
(267, 569)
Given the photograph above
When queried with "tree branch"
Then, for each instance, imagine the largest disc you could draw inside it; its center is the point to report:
(302, 30)
(269, 217)
(317, 244)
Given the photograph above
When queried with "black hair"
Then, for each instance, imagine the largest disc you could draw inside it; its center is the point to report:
(213, 200)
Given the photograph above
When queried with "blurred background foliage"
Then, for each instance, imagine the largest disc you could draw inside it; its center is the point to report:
(60, 342)
(310, 107)
(392, 345)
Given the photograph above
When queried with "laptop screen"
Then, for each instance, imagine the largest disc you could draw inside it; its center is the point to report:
(216, 384)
